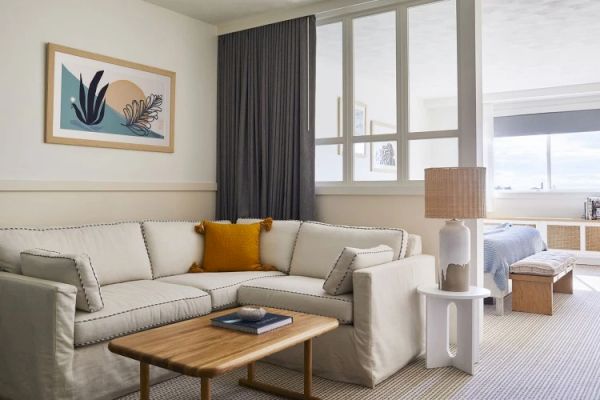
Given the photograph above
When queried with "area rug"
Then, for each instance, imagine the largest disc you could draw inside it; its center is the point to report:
(523, 356)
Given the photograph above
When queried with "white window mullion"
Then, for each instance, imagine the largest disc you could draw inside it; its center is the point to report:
(433, 134)
(549, 161)
(348, 99)
(402, 91)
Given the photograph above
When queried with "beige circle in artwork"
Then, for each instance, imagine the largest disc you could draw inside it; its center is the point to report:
(121, 93)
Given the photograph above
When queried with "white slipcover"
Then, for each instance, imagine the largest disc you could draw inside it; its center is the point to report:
(277, 245)
(136, 306)
(318, 245)
(222, 286)
(339, 280)
(117, 250)
(414, 246)
(72, 269)
(173, 246)
(297, 293)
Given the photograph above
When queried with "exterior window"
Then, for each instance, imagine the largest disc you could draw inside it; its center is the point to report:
(559, 161)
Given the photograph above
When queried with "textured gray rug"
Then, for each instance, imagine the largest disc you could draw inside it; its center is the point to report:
(523, 356)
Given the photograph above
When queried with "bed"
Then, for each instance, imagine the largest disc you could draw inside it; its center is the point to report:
(503, 245)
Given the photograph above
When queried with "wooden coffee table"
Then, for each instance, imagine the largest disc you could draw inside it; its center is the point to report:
(196, 348)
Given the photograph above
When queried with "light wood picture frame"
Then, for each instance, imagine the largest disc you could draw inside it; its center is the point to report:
(100, 101)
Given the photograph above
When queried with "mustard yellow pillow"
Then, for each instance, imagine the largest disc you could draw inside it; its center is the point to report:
(232, 247)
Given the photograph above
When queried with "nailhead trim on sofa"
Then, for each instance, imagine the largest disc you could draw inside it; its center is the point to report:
(66, 257)
(140, 328)
(349, 267)
(139, 308)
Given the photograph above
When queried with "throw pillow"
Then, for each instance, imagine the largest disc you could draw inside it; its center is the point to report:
(232, 247)
(339, 280)
(73, 269)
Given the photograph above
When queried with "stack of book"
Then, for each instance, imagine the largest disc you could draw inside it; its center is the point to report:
(591, 208)
(268, 323)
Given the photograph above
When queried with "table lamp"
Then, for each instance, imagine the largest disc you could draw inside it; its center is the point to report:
(455, 194)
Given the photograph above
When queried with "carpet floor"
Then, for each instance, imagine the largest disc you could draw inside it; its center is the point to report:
(523, 356)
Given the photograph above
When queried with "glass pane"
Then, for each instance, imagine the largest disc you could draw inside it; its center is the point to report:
(575, 161)
(329, 163)
(520, 163)
(431, 153)
(328, 91)
(432, 67)
(375, 161)
(375, 74)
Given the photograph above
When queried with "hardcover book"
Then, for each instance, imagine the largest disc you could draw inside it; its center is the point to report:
(268, 323)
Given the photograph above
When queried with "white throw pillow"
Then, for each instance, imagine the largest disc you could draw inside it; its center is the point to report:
(339, 280)
(72, 269)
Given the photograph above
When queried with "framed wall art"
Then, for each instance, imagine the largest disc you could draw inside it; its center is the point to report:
(100, 101)
(383, 154)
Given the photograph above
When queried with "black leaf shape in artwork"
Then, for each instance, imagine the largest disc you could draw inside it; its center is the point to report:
(92, 110)
(139, 115)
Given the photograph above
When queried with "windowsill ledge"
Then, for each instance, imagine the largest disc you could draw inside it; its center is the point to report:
(374, 189)
(544, 194)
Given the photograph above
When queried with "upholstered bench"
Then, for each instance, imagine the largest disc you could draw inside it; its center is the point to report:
(535, 278)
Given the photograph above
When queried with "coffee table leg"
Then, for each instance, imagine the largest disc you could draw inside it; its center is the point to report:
(308, 369)
(251, 372)
(204, 388)
(144, 381)
(251, 382)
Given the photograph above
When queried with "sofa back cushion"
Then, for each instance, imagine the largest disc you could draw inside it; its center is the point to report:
(277, 245)
(319, 245)
(173, 246)
(117, 250)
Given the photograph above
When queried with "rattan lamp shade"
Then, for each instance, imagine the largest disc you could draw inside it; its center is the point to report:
(455, 193)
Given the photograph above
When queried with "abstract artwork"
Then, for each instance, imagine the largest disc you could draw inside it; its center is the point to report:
(99, 101)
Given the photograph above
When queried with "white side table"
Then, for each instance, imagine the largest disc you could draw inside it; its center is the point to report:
(437, 346)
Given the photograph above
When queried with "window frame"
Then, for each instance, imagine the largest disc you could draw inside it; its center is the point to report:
(402, 184)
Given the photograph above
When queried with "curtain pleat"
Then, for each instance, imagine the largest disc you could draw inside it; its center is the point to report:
(265, 122)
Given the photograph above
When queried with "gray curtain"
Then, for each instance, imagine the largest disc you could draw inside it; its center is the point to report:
(265, 122)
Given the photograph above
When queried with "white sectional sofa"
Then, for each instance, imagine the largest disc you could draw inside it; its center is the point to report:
(50, 350)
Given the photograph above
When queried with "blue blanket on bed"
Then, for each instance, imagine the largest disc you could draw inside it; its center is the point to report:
(507, 244)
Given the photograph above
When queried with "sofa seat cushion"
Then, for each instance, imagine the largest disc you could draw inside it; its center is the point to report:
(297, 293)
(545, 263)
(136, 306)
(319, 245)
(222, 286)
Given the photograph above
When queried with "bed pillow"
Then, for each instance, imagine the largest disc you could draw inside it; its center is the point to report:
(72, 269)
(339, 280)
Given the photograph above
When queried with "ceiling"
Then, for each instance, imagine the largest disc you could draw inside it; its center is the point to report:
(219, 11)
(528, 44)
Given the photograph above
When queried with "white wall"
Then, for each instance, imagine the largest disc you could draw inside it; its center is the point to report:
(132, 30)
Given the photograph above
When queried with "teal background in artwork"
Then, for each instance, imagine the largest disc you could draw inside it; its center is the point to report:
(111, 123)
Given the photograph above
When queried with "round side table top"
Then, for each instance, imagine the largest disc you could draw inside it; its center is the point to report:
(473, 293)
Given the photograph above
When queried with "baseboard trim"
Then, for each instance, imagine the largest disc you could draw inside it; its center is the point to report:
(87, 186)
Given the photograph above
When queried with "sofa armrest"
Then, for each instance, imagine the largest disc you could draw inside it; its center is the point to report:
(36, 326)
(388, 313)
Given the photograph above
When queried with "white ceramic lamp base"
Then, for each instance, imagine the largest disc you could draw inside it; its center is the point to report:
(455, 255)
